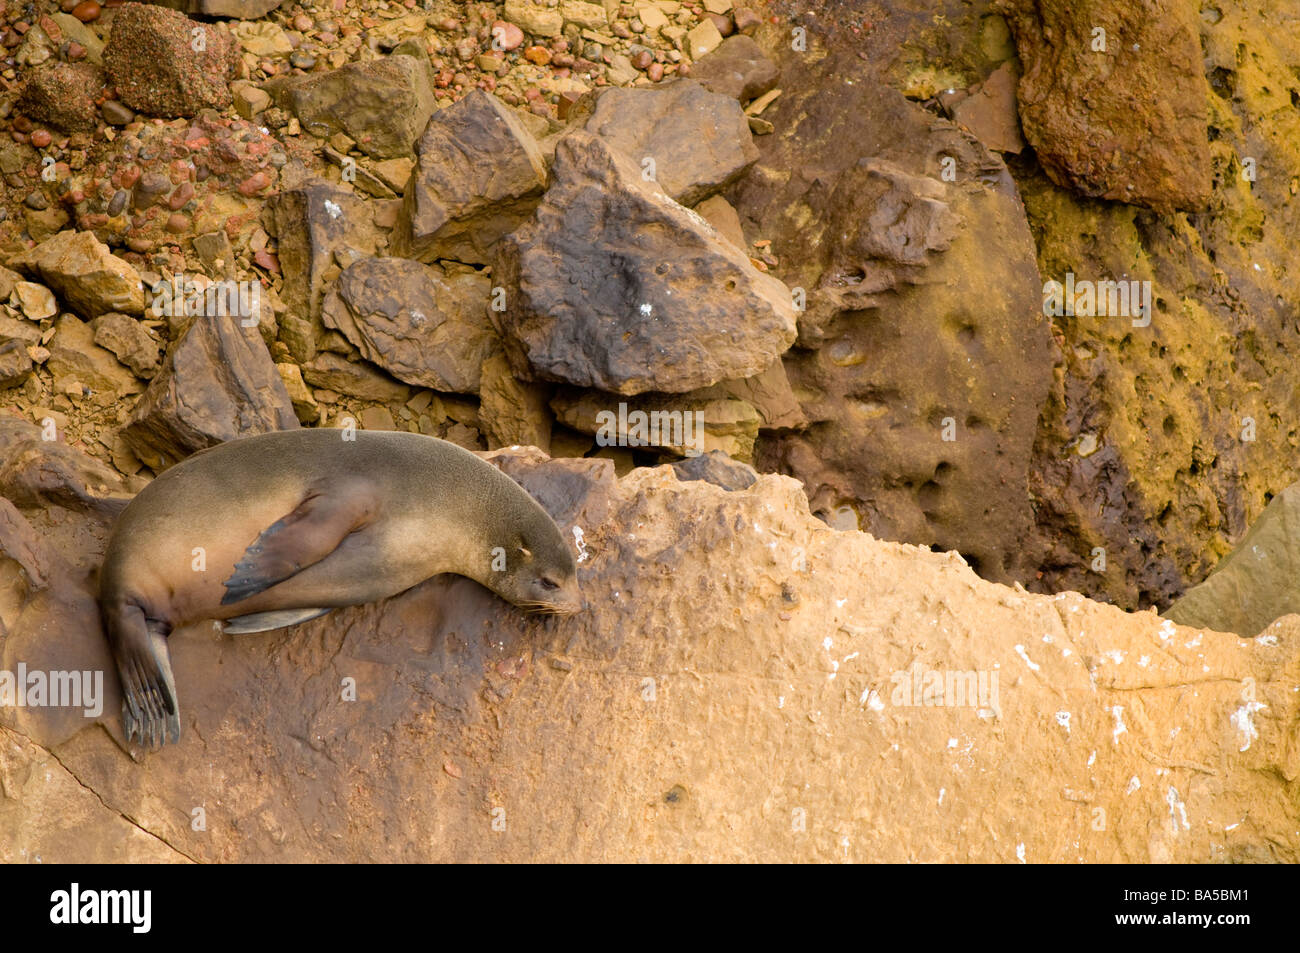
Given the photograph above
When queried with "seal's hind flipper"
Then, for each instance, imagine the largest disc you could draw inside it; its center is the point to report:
(265, 621)
(149, 709)
(302, 538)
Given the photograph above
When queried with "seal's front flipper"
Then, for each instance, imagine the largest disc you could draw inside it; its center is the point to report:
(149, 709)
(265, 621)
(302, 538)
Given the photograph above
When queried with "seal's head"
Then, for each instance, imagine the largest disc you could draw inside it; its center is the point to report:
(536, 571)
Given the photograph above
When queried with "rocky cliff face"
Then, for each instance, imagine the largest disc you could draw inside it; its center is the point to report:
(744, 684)
(824, 234)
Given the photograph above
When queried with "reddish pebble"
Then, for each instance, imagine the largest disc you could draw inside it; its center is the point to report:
(655, 72)
(184, 192)
(87, 11)
(538, 54)
(76, 51)
(265, 260)
(302, 23)
(129, 176)
(41, 138)
(506, 36)
(643, 59)
(177, 223)
(254, 184)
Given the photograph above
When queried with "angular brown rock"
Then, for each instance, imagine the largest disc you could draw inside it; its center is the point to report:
(691, 141)
(129, 340)
(382, 104)
(217, 382)
(423, 326)
(512, 412)
(63, 95)
(164, 64)
(335, 372)
(738, 68)
(316, 224)
(84, 273)
(615, 286)
(1122, 114)
(479, 176)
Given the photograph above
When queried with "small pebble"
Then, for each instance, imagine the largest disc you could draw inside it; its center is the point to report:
(643, 59)
(87, 11)
(538, 54)
(115, 113)
(655, 72)
(41, 138)
(254, 183)
(183, 193)
(506, 36)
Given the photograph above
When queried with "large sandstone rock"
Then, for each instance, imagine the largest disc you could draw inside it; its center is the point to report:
(84, 273)
(923, 359)
(423, 326)
(160, 66)
(1127, 123)
(762, 708)
(479, 176)
(383, 104)
(216, 383)
(620, 288)
(691, 141)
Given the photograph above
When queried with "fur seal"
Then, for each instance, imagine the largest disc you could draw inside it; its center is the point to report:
(271, 530)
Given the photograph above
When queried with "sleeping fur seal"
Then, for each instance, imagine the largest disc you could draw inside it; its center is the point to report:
(272, 530)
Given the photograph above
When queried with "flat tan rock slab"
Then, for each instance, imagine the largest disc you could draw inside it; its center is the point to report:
(737, 689)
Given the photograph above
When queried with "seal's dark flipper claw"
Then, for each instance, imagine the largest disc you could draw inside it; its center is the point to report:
(302, 538)
(149, 709)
